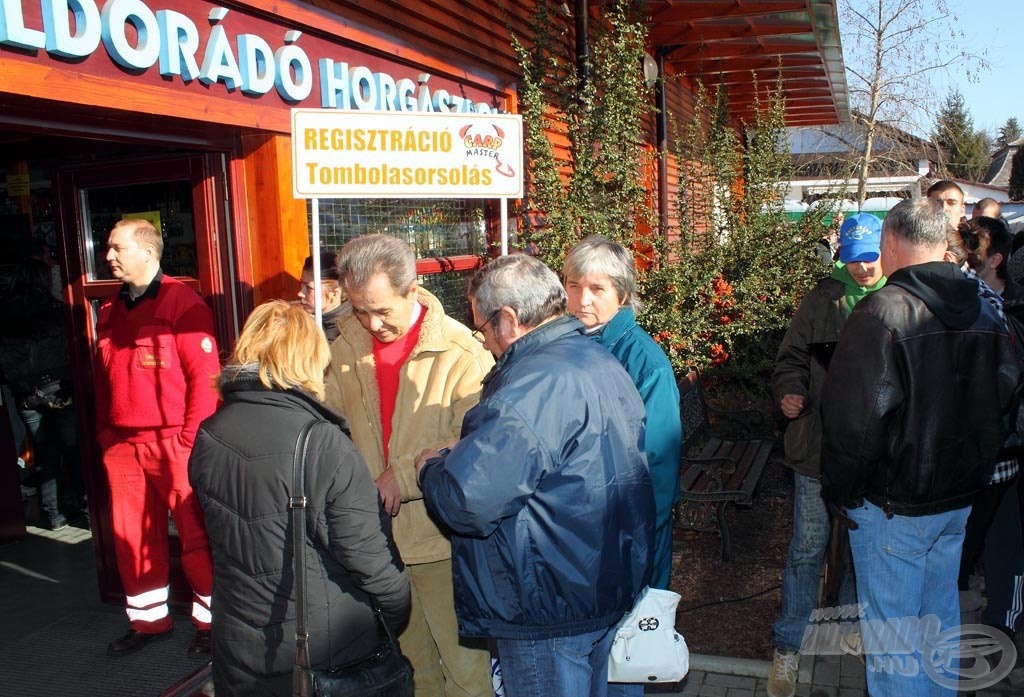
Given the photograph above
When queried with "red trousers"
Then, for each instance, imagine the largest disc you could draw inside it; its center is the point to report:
(146, 481)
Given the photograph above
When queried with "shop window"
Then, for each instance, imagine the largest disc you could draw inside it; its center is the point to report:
(436, 228)
(167, 204)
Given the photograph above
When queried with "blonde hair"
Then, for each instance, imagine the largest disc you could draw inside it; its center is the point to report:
(287, 346)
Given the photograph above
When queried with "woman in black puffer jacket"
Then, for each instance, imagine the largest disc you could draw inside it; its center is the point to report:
(241, 469)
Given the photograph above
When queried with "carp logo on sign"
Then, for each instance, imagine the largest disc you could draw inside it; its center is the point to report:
(486, 145)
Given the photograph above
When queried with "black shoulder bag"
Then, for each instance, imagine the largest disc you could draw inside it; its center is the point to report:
(385, 672)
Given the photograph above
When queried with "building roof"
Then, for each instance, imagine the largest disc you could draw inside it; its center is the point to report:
(726, 43)
(999, 168)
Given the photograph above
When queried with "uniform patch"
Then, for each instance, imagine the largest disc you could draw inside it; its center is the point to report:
(206, 344)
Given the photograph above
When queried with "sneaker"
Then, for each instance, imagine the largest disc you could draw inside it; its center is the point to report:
(852, 643)
(782, 676)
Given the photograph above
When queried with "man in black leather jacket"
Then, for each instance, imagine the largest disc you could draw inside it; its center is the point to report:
(915, 408)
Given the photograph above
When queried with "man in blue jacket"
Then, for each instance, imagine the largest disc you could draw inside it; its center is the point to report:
(547, 493)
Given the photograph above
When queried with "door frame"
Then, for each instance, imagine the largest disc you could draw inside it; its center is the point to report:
(216, 277)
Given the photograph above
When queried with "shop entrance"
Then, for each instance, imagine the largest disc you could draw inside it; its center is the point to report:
(76, 189)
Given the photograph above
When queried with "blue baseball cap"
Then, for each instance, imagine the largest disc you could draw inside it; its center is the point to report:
(860, 238)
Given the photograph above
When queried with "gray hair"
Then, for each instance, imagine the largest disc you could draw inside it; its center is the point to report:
(600, 255)
(521, 282)
(365, 257)
(919, 221)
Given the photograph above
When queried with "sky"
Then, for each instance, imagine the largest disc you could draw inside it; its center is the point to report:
(995, 27)
(999, 92)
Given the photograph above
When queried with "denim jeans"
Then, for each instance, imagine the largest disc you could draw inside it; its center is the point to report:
(801, 579)
(571, 665)
(46, 442)
(906, 568)
(625, 689)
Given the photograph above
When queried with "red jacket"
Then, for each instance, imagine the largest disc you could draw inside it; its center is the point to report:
(156, 366)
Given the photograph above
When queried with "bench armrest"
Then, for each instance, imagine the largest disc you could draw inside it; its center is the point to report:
(714, 467)
(753, 423)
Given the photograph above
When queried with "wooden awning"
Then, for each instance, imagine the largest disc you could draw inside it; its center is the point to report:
(726, 43)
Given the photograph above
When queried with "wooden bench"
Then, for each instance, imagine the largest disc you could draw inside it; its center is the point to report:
(717, 470)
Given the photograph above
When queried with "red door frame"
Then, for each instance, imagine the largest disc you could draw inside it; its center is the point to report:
(207, 177)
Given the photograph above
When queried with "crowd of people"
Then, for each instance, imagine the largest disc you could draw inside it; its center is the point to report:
(500, 495)
(900, 378)
(446, 467)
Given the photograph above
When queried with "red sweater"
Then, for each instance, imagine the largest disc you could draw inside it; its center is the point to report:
(389, 359)
(156, 366)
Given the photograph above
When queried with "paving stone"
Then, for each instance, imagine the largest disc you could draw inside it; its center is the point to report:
(713, 691)
(738, 692)
(852, 692)
(859, 682)
(730, 681)
(824, 691)
(691, 689)
(694, 676)
(851, 665)
(826, 671)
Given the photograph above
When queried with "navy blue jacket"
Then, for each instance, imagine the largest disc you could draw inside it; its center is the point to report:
(547, 493)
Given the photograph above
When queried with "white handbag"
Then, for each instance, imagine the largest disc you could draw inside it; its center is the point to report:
(647, 647)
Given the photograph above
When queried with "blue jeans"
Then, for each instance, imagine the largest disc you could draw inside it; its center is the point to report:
(46, 443)
(801, 580)
(906, 568)
(575, 666)
(625, 689)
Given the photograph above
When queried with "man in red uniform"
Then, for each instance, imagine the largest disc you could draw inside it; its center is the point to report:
(156, 365)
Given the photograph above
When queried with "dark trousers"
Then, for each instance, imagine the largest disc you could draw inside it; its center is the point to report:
(994, 531)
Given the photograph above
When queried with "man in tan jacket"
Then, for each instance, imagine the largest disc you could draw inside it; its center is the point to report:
(404, 374)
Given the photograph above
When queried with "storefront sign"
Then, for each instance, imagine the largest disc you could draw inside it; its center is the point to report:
(391, 155)
(217, 51)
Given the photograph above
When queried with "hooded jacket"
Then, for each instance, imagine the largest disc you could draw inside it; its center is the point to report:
(241, 471)
(438, 384)
(547, 493)
(917, 395)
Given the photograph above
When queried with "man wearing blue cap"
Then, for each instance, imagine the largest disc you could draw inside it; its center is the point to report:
(914, 411)
(800, 369)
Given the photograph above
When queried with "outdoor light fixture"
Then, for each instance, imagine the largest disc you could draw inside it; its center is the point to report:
(650, 70)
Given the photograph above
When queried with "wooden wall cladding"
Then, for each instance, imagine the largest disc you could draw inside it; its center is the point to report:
(277, 226)
(454, 31)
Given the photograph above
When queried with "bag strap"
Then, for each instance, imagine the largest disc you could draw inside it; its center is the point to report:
(297, 506)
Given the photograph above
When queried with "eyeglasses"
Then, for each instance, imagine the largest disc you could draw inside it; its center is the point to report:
(478, 332)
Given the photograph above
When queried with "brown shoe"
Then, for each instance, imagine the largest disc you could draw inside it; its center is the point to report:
(133, 641)
(200, 644)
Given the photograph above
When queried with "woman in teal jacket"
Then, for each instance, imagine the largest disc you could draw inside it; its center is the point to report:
(601, 284)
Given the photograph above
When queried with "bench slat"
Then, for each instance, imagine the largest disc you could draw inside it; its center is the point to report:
(736, 463)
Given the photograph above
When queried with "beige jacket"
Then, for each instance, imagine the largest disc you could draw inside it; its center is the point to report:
(440, 382)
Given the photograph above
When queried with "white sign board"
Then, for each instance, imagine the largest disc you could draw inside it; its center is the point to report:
(386, 154)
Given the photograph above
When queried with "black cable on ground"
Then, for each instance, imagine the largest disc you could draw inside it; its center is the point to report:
(730, 600)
